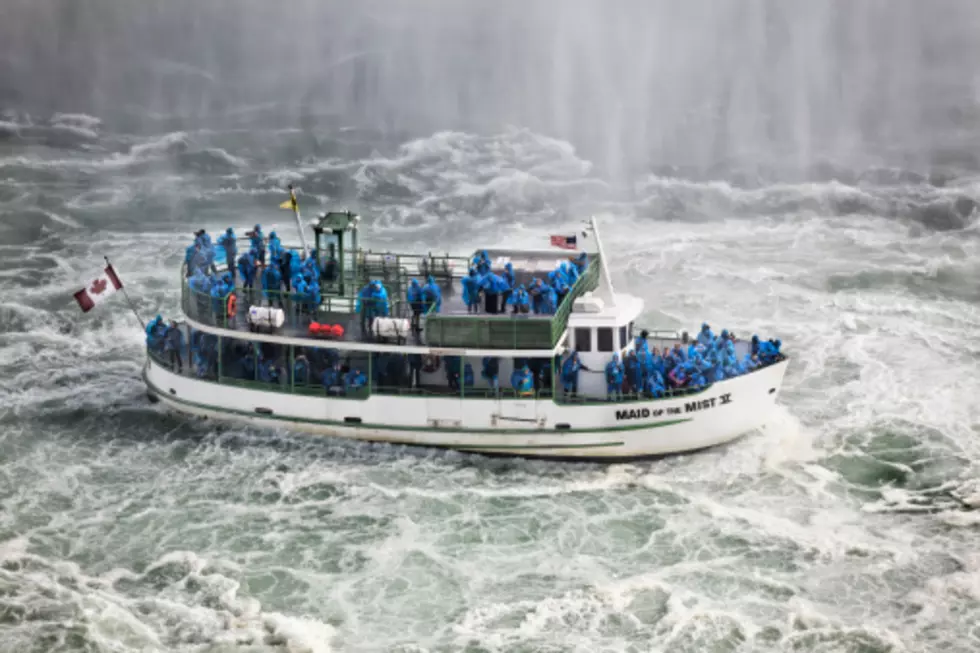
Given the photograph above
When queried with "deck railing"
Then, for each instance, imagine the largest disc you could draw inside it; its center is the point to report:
(508, 331)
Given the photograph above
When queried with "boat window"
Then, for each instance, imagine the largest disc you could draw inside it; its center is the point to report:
(604, 341)
(622, 337)
(583, 339)
(630, 336)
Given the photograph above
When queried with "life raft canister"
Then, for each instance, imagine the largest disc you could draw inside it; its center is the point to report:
(232, 305)
(430, 363)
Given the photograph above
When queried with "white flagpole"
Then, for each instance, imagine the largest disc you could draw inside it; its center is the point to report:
(299, 221)
(122, 287)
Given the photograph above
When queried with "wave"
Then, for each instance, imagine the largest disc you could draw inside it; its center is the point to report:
(178, 601)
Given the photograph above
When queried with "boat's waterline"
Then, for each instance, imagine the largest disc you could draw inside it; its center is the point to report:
(536, 428)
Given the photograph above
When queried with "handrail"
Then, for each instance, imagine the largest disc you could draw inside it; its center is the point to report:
(508, 331)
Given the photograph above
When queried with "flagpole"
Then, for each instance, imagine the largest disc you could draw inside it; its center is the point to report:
(299, 221)
(132, 307)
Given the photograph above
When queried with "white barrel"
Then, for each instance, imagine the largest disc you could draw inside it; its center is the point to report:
(391, 328)
(266, 316)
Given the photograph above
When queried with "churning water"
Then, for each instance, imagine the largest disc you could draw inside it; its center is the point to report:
(803, 171)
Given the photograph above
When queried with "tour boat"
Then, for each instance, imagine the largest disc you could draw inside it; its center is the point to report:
(236, 334)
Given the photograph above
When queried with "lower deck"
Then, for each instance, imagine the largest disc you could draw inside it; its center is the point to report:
(321, 370)
(522, 426)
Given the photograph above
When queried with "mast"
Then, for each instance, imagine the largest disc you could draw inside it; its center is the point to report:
(291, 203)
(605, 289)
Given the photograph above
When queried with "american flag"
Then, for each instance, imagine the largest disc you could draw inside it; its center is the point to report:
(565, 242)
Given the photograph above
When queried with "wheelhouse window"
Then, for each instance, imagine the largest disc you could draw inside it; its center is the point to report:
(622, 337)
(604, 340)
(583, 339)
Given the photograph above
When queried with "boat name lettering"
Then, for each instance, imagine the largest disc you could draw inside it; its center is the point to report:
(689, 407)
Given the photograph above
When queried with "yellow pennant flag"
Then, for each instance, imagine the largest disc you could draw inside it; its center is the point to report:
(291, 202)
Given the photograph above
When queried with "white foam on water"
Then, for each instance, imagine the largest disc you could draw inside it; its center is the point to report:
(186, 537)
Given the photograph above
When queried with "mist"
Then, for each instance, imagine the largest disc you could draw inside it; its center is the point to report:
(634, 84)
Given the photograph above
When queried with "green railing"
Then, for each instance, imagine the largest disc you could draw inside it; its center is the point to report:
(202, 307)
(508, 332)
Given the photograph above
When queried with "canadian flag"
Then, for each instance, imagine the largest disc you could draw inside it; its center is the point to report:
(99, 290)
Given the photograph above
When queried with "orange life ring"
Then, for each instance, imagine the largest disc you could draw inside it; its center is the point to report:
(430, 364)
(232, 305)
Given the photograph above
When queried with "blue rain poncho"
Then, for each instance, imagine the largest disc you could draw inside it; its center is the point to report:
(614, 374)
(569, 372)
(275, 248)
(705, 337)
(431, 295)
(471, 288)
(272, 282)
(414, 294)
(520, 298)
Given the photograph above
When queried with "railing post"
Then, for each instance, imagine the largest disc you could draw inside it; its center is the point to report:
(292, 368)
(220, 347)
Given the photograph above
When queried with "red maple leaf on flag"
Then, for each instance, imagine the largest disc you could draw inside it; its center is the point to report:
(98, 286)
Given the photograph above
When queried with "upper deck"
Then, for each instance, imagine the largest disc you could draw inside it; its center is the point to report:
(451, 328)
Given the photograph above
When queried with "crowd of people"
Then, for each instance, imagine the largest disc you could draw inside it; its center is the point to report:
(645, 372)
(284, 278)
(540, 297)
(690, 364)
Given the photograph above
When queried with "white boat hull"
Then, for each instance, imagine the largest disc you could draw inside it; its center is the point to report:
(539, 428)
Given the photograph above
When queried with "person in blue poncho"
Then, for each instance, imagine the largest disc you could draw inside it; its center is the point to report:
(275, 249)
(189, 254)
(471, 291)
(354, 380)
(219, 293)
(655, 387)
(228, 243)
(493, 286)
(365, 299)
(313, 296)
(549, 300)
(301, 370)
(755, 345)
(414, 297)
(511, 280)
(536, 291)
(520, 300)
(151, 332)
(558, 284)
(269, 372)
(569, 374)
(431, 296)
(614, 379)
(272, 285)
(633, 372)
(246, 265)
(640, 343)
(523, 382)
(332, 379)
(310, 269)
(491, 372)
(257, 240)
(200, 286)
(173, 345)
(571, 273)
(582, 262)
(299, 295)
(468, 375)
(705, 337)
(483, 263)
